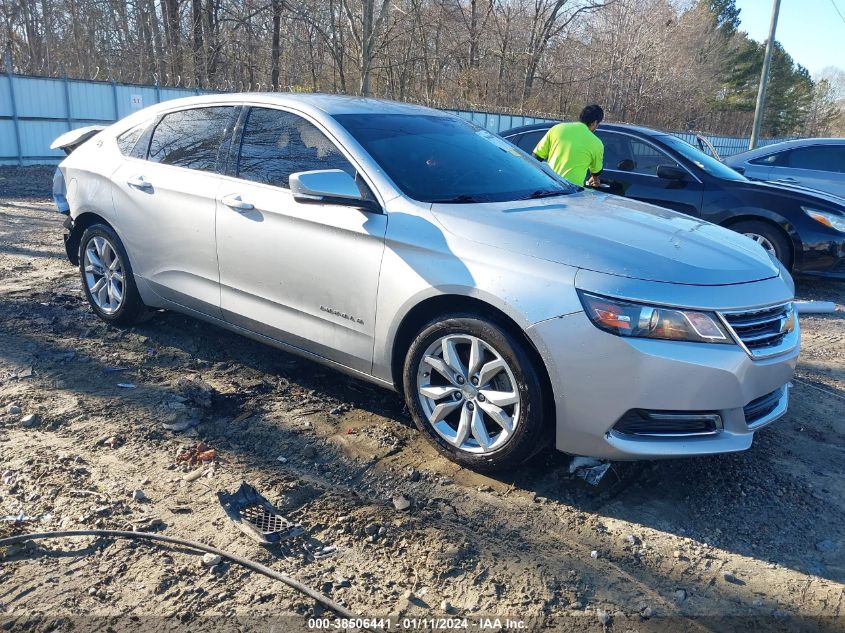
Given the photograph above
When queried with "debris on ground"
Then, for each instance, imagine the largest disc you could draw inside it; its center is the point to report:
(211, 560)
(590, 470)
(196, 454)
(815, 307)
(401, 502)
(256, 516)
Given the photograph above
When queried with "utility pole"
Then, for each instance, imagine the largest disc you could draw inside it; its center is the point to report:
(764, 76)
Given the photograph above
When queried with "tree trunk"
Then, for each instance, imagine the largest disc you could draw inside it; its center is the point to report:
(199, 48)
(274, 47)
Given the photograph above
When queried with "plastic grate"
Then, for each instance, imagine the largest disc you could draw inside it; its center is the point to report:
(263, 520)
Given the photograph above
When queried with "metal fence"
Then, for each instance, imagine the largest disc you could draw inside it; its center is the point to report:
(35, 110)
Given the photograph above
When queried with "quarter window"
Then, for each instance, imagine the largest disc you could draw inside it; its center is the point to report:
(191, 138)
(529, 140)
(126, 142)
(276, 144)
(772, 160)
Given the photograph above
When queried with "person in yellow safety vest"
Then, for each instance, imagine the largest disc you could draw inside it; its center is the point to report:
(571, 149)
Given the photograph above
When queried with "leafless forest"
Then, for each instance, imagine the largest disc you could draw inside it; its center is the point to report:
(678, 64)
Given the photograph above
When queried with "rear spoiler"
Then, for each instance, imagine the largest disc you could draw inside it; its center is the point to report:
(69, 141)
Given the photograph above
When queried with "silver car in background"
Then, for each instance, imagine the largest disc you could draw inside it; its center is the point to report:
(415, 250)
(815, 163)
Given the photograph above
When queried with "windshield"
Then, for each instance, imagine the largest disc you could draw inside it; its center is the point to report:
(707, 163)
(445, 159)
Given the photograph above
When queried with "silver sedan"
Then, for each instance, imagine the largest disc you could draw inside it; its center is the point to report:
(415, 250)
(815, 163)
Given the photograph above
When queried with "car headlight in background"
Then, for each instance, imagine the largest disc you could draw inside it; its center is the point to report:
(827, 218)
(625, 318)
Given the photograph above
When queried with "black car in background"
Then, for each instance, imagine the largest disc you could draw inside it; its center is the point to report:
(805, 229)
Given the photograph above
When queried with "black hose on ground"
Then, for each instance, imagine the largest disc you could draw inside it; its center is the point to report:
(245, 562)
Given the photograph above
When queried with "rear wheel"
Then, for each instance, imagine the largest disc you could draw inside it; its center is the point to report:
(107, 277)
(473, 390)
(771, 238)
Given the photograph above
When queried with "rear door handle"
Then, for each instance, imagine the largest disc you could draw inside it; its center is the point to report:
(789, 180)
(139, 183)
(234, 201)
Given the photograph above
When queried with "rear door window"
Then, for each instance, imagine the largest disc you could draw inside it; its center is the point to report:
(191, 138)
(276, 144)
(829, 158)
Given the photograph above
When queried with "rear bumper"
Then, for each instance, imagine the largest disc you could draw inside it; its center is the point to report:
(598, 378)
(59, 192)
(71, 240)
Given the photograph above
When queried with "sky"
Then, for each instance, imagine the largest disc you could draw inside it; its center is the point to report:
(810, 30)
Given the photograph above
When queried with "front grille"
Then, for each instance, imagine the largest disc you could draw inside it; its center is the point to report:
(762, 331)
(760, 407)
(668, 424)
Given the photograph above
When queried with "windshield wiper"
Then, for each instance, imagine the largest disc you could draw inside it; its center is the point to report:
(461, 199)
(544, 193)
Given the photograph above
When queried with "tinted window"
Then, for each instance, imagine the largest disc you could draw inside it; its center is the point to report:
(276, 144)
(191, 138)
(529, 140)
(445, 159)
(819, 158)
(777, 160)
(626, 153)
(126, 142)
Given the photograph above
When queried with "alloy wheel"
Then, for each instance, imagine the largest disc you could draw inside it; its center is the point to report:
(468, 393)
(763, 241)
(104, 274)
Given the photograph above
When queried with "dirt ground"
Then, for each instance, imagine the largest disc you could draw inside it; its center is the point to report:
(752, 541)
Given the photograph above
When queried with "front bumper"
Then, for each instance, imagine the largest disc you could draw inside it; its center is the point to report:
(597, 378)
(822, 254)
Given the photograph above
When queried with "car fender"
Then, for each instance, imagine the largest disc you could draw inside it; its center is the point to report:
(423, 262)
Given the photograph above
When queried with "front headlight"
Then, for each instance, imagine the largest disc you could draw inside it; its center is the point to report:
(625, 318)
(827, 218)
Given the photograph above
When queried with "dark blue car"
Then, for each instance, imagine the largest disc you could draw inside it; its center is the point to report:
(803, 228)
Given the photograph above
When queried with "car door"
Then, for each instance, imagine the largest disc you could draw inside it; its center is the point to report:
(819, 167)
(630, 170)
(165, 200)
(306, 274)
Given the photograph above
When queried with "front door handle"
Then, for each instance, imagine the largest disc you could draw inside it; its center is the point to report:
(234, 201)
(139, 182)
(789, 180)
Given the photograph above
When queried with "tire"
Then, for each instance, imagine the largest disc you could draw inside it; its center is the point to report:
(117, 300)
(769, 237)
(454, 427)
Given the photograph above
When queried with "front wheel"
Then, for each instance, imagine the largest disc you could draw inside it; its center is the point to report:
(772, 239)
(475, 392)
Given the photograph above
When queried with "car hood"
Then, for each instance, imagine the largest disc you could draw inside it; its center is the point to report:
(612, 235)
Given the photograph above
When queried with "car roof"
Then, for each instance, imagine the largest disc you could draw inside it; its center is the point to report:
(327, 103)
(765, 150)
(610, 127)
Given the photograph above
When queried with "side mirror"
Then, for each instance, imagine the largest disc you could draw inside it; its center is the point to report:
(670, 172)
(739, 170)
(329, 186)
